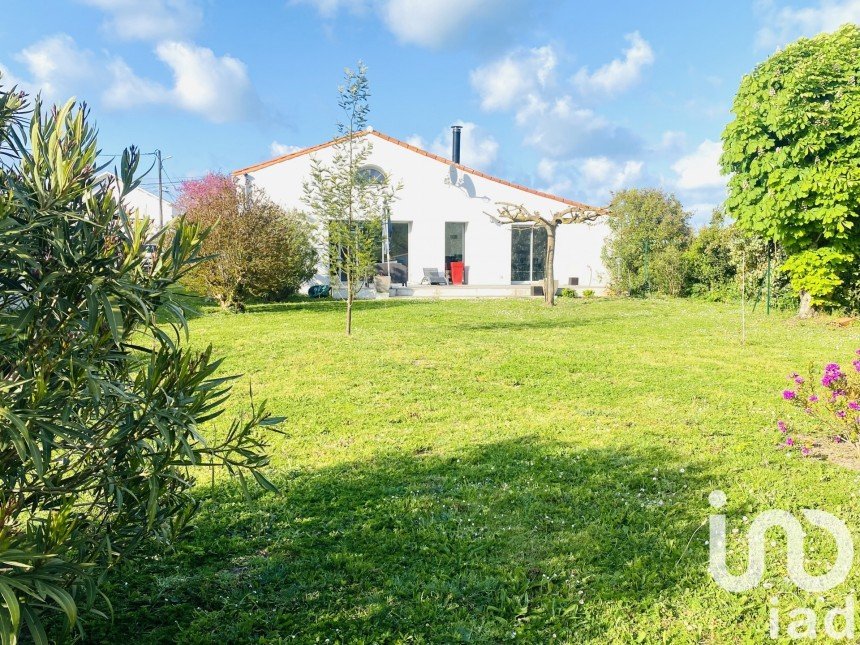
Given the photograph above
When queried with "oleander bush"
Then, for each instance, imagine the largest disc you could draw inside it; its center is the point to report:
(103, 410)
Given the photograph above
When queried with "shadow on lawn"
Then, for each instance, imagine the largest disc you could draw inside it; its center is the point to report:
(502, 537)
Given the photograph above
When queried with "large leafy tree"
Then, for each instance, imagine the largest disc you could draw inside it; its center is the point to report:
(102, 410)
(792, 151)
(350, 203)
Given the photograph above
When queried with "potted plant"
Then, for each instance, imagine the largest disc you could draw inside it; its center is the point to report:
(382, 283)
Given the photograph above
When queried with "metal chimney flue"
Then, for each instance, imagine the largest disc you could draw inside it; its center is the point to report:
(455, 142)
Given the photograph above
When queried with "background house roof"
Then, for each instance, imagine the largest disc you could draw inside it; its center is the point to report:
(408, 146)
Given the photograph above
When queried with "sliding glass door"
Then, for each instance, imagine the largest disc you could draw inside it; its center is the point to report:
(398, 242)
(455, 243)
(528, 253)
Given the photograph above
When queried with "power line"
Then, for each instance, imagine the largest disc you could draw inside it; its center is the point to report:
(181, 180)
(120, 154)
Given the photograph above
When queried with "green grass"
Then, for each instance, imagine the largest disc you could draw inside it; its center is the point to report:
(479, 471)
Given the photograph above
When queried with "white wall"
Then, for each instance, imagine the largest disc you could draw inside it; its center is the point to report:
(145, 204)
(433, 193)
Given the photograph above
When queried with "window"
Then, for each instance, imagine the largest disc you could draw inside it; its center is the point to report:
(372, 175)
(528, 253)
(455, 243)
(398, 242)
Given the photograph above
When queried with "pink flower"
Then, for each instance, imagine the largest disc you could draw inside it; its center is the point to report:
(788, 395)
(838, 439)
(856, 365)
(799, 380)
(195, 192)
(804, 451)
(782, 426)
(789, 441)
(813, 398)
(854, 405)
(832, 373)
(840, 414)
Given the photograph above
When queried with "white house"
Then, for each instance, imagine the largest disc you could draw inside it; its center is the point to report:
(442, 215)
(143, 204)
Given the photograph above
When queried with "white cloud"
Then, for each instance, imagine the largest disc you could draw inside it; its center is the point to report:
(619, 74)
(9, 80)
(546, 169)
(127, 90)
(591, 179)
(784, 24)
(154, 20)
(605, 172)
(523, 82)
(559, 127)
(417, 140)
(477, 149)
(432, 24)
(278, 149)
(215, 87)
(516, 77)
(672, 141)
(428, 23)
(329, 8)
(57, 67)
(701, 168)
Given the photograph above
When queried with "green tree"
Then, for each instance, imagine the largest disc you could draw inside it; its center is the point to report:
(350, 203)
(644, 224)
(792, 153)
(257, 249)
(102, 411)
(709, 258)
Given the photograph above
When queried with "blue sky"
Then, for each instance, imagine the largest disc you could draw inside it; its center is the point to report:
(578, 98)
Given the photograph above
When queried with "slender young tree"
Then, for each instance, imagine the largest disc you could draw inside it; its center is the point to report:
(517, 214)
(349, 202)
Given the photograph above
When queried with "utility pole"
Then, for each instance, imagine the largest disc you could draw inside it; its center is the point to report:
(160, 192)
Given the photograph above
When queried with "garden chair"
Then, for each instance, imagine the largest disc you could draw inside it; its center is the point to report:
(434, 276)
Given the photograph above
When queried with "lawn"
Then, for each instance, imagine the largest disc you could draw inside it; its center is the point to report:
(494, 470)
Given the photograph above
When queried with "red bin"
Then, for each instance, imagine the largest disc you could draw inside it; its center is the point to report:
(457, 270)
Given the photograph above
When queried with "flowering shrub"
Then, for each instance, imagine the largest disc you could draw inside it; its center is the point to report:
(833, 401)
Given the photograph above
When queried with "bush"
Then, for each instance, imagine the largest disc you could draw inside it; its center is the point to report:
(833, 404)
(588, 293)
(100, 410)
(644, 224)
(567, 292)
(257, 248)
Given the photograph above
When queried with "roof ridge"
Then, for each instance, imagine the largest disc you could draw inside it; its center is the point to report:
(409, 146)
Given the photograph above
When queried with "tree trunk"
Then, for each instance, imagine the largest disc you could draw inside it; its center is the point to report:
(548, 272)
(349, 296)
(806, 309)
